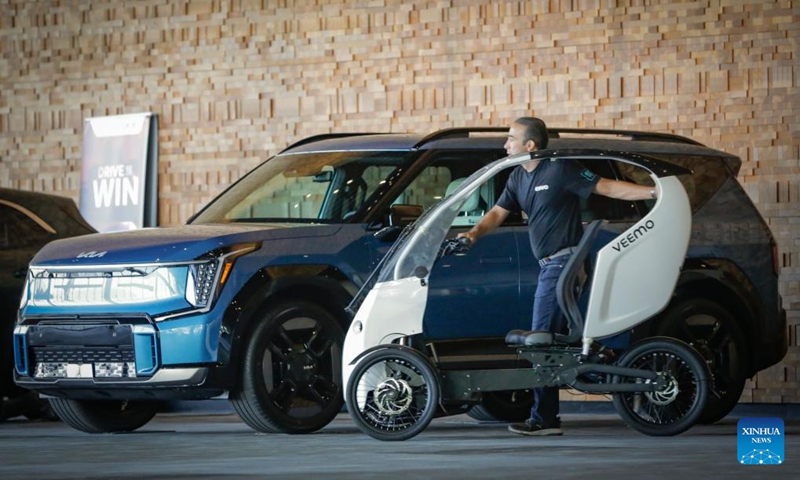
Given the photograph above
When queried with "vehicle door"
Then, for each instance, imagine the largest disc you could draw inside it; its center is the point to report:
(620, 215)
(477, 294)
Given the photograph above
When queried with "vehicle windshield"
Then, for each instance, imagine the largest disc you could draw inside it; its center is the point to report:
(317, 187)
(419, 246)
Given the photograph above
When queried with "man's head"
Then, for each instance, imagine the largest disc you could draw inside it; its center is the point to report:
(526, 135)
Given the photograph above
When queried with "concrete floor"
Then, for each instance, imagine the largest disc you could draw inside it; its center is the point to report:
(215, 443)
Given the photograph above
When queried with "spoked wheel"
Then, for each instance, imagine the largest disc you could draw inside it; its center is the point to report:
(676, 407)
(392, 394)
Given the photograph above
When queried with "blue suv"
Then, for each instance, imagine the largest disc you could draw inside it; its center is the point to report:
(248, 298)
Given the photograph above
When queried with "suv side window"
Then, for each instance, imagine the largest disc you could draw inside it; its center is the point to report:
(428, 187)
(442, 175)
(598, 206)
(708, 175)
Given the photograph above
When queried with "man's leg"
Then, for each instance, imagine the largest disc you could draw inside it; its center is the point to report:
(547, 316)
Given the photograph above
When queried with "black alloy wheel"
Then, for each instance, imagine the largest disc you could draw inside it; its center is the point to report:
(290, 377)
(713, 332)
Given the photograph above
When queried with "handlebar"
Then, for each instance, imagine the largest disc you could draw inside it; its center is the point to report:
(458, 246)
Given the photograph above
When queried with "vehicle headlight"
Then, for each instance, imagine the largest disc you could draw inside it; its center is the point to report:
(206, 279)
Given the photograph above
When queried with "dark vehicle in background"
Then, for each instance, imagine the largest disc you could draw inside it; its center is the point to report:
(28, 221)
(248, 299)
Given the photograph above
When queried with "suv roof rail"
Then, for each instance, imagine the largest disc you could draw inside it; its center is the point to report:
(634, 135)
(457, 132)
(463, 132)
(326, 136)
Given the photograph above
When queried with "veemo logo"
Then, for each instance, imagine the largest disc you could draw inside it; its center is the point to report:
(760, 441)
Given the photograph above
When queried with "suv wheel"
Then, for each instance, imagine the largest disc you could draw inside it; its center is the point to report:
(290, 378)
(714, 333)
(104, 416)
(505, 406)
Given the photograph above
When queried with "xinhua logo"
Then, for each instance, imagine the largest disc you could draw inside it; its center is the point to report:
(760, 441)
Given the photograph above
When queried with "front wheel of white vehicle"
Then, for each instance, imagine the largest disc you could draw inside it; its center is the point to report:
(104, 416)
(392, 394)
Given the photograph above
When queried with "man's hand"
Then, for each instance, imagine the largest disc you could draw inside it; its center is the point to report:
(489, 222)
(459, 245)
(469, 236)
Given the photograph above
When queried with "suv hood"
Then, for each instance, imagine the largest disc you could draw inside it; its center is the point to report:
(166, 245)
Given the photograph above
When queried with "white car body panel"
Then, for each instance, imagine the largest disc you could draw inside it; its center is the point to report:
(641, 266)
(390, 310)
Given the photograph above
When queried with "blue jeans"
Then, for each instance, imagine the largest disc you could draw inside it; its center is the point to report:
(547, 316)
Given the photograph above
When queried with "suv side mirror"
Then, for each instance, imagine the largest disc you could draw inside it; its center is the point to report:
(401, 214)
(388, 234)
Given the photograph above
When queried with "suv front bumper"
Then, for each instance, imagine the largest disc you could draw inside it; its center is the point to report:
(104, 360)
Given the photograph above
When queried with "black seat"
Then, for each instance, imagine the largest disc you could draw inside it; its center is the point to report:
(569, 287)
(568, 292)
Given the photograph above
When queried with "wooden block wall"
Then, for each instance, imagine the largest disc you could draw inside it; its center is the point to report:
(234, 81)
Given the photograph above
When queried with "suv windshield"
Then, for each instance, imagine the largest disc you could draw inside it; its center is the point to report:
(321, 187)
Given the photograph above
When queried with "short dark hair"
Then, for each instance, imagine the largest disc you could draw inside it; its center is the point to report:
(535, 130)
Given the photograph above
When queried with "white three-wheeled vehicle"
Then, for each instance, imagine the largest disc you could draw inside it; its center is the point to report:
(394, 386)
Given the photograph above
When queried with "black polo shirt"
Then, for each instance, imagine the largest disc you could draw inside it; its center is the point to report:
(550, 197)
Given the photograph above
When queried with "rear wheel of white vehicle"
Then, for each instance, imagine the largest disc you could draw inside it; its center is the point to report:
(104, 416)
(392, 394)
(677, 406)
(290, 376)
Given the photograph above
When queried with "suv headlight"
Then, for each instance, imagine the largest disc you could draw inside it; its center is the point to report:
(206, 279)
(23, 302)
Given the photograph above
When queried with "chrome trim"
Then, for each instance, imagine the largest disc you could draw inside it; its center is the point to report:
(131, 267)
(143, 329)
(164, 376)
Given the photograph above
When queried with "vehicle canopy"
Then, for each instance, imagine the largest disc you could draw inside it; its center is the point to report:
(634, 277)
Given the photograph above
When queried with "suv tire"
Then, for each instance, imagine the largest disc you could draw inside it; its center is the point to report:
(714, 333)
(290, 376)
(104, 416)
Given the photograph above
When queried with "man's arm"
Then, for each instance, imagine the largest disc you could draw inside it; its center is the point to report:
(493, 219)
(624, 190)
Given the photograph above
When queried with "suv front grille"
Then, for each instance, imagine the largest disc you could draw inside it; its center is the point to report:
(83, 362)
(82, 355)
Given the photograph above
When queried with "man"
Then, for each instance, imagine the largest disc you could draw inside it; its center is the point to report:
(548, 192)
